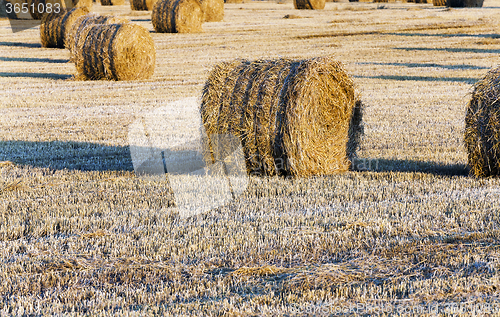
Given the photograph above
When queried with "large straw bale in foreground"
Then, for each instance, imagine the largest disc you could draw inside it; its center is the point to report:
(177, 16)
(115, 52)
(76, 32)
(213, 10)
(309, 4)
(482, 126)
(294, 117)
(54, 26)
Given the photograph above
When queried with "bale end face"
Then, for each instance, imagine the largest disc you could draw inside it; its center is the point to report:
(482, 126)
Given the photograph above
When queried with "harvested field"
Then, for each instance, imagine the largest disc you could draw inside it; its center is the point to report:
(408, 229)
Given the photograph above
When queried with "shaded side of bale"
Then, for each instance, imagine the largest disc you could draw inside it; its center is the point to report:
(296, 118)
(115, 52)
(213, 10)
(75, 34)
(465, 3)
(142, 5)
(112, 2)
(482, 126)
(177, 16)
(309, 4)
(54, 26)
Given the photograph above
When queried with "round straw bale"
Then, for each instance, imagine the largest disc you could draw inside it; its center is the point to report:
(309, 4)
(293, 117)
(482, 126)
(54, 26)
(213, 10)
(115, 52)
(177, 16)
(112, 2)
(75, 32)
(439, 3)
(142, 5)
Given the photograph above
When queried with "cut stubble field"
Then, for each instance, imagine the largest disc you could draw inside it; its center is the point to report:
(408, 232)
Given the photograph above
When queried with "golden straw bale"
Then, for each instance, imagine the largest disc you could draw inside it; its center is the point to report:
(54, 26)
(439, 3)
(482, 126)
(177, 16)
(75, 32)
(213, 10)
(309, 4)
(115, 52)
(293, 117)
(83, 3)
(142, 5)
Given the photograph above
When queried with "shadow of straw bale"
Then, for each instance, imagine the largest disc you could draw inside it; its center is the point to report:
(489, 36)
(450, 49)
(33, 60)
(36, 75)
(84, 156)
(422, 78)
(19, 44)
(426, 65)
(409, 166)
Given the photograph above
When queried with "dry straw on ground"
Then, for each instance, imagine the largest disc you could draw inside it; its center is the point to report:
(112, 2)
(54, 26)
(309, 4)
(115, 52)
(76, 32)
(482, 126)
(177, 16)
(142, 5)
(294, 117)
(213, 10)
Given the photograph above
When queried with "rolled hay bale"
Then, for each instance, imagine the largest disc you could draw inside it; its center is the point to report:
(482, 126)
(112, 2)
(213, 10)
(439, 3)
(142, 5)
(115, 52)
(54, 26)
(309, 4)
(293, 117)
(177, 16)
(76, 33)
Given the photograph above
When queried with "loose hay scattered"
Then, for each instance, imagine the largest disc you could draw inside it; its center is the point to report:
(293, 117)
(213, 10)
(142, 5)
(309, 4)
(54, 26)
(482, 126)
(115, 52)
(112, 2)
(177, 16)
(75, 33)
